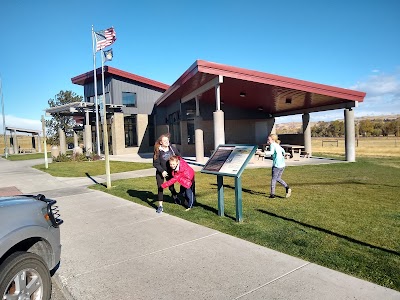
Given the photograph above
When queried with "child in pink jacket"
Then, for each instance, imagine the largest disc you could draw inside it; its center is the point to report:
(184, 175)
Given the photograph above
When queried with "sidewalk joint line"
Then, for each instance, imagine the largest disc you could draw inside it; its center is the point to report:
(144, 255)
(273, 280)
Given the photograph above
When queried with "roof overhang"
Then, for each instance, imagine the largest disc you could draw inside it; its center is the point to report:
(79, 108)
(88, 77)
(254, 90)
(23, 130)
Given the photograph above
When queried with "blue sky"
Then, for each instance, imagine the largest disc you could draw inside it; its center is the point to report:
(350, 44)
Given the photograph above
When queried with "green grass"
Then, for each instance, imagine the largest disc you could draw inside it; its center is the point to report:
(342, 216)
(15, 157)
(94, 168)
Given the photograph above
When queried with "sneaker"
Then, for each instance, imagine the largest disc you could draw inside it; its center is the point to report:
(272, 196)
(176, 199)
(288, 192)
(159, 209)
(187, 209)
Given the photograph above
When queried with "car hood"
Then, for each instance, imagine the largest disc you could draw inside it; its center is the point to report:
(15, 200)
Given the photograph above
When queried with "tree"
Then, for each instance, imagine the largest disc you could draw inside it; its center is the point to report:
(66, 123)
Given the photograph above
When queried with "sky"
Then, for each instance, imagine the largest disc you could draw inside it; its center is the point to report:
(349, 44)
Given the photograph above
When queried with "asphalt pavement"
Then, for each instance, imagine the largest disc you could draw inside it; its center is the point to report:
(116, 249)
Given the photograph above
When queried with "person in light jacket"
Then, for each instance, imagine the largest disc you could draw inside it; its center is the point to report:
(278, 164)
(184, 175)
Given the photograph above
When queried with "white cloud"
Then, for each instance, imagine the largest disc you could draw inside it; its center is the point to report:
(379, 85)
(12, 121)
(382, 98)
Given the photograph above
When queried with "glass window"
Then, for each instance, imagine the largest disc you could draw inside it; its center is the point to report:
(129, 99)
(190, 126)
(174, 128)
(130, 131)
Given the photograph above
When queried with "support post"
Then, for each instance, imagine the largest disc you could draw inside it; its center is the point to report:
(220, 185)
(46, 164)
(238, 199)
(349, 135)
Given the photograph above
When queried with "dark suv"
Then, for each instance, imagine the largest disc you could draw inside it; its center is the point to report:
(30, 246)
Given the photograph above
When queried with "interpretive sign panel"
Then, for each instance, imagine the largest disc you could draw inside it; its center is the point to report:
(229, 160)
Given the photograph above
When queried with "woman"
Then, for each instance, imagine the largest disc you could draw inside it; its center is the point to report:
(162, 152)
(184, 175)
(278, 164)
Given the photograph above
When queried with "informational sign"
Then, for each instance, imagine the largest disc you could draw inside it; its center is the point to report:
(229, 160)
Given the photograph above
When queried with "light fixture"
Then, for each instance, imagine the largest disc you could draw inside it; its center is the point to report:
(260, 108)
(288, 100)
(242, 94)
(222, 102)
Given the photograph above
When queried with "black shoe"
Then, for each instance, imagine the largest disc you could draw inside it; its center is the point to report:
(176, 199)
(272, 196)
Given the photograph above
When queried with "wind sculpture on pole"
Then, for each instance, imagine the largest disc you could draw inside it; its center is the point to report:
(105, 38)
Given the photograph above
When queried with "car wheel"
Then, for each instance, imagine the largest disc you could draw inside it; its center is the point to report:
(24, 275)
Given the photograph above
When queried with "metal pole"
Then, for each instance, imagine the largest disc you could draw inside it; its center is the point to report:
(105, 131)
(46, 164)
(4, 120)
(95, 93)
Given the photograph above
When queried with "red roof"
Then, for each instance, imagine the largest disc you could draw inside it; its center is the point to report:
(108, 71)
(271, 93)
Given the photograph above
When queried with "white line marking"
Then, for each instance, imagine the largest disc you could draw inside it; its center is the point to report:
(253, 290)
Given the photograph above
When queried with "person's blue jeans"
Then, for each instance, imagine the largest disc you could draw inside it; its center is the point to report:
(276, 177)
(189, 194)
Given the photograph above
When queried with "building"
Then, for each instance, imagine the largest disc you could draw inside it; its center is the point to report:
(208, 105)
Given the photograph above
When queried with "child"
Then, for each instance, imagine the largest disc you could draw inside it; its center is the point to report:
(184, 175)
(278, 164)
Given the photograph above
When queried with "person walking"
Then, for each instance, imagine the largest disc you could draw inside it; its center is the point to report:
(184, 175)
(162, 152)
(278, 164)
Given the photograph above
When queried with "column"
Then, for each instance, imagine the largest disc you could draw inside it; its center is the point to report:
(270, 127)
(198, 134)
(118, 134)
(87, 135)
(15, 142)
(350, 140)
(63, 146)
(39, 143)
(307, 133)
(218, 116)
(76, 144)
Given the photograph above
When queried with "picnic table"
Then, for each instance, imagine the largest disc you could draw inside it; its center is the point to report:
(294, 150)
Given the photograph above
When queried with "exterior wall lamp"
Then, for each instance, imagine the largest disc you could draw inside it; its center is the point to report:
(242, 94)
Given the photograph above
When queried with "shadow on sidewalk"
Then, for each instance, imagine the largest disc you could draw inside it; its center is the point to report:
(94, 180)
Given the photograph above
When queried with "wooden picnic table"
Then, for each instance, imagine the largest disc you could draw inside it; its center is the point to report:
(294, 150)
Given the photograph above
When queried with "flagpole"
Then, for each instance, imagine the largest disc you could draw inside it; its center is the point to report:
(4, 120)
(95, 94)
(105, 130)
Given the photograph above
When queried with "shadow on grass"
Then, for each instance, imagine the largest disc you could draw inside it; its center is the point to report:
(94, 180)
(329, 232)
(144, 196)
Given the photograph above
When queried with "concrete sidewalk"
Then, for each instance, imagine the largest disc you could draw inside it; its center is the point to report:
(116, 249)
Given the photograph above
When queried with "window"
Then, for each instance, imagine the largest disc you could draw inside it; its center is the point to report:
(130, 131)
(174, 125)
(190, 126)
(129, 99)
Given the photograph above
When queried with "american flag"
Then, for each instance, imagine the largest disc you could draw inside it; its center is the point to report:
(105, 38)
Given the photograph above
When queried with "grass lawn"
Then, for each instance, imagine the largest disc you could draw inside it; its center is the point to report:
(94, 168)
(27, 156)
(342, 216)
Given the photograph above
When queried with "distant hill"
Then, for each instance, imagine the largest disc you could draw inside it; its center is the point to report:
(293, 127)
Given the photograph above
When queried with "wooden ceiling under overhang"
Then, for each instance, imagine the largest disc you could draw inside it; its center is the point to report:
(253, 90)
